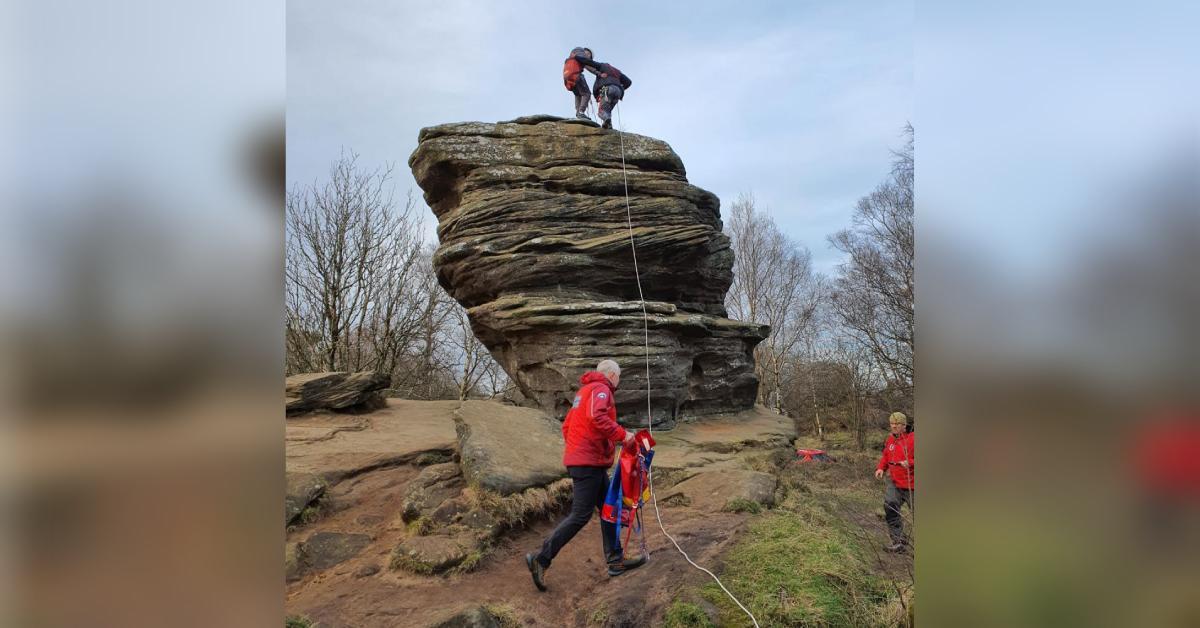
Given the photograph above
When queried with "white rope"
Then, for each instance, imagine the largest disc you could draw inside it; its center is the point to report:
(646, 336)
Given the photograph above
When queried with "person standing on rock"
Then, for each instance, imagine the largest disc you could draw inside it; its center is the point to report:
(609, 88)
(898, 458)
(575, 82)
(591, 433)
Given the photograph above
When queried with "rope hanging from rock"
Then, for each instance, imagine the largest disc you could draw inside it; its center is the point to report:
(646, 335)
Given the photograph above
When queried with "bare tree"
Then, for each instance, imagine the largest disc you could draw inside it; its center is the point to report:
(350, 272)
(773, 283)
(873, 294)
(476, 366)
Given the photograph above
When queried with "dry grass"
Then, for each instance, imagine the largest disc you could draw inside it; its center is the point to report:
(504, 614)
(515, 511)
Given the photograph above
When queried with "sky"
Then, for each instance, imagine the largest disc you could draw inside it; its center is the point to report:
(798, 103)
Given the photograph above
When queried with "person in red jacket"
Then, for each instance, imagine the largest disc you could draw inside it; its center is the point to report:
(897, 459)
(574, 81)
(591, 433)
(611, 85)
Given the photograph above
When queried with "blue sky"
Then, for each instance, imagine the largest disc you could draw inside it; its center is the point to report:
(797, 102)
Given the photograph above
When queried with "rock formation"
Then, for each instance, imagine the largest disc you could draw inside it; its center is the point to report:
(534, 243)
(335, 390)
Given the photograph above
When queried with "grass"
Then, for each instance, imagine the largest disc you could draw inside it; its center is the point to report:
(311, 513)
(799, 569)
(505, 615)
(297, 621)
(402, 561)
(743, 505)
(809, 561)
(420, 526)
(513, 511)
(471, 561)
(686, 615)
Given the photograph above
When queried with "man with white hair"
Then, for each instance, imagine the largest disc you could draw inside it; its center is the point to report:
(591, 433)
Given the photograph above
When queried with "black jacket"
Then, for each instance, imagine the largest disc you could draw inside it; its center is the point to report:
(605, 75)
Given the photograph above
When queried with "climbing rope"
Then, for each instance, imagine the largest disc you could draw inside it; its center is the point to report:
(646, 338)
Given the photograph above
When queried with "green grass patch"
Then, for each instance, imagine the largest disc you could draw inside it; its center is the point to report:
(743, 505)
(471, 561)
(297, 621)
(421, 526)
(686, 615)
(799, 569)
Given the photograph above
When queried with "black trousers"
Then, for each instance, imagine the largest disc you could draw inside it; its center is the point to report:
(589, 485)
(893, 499)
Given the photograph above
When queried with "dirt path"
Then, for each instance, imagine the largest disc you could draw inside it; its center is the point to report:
(581, 593)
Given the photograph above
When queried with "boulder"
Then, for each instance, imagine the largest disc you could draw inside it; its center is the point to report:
(473, 617)
(712, 491)
(434, 554)
(326, 549)
(338, 391)
(302, 490)
(507, 449)
(433, 486)
(534, 243)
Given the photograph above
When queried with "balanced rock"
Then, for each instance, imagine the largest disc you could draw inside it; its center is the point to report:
(535, 244)
(340, 391)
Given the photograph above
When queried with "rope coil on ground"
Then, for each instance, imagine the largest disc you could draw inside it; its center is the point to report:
(646, 336)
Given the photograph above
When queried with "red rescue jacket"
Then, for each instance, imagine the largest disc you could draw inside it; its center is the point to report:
(895, 450)
(590, 430)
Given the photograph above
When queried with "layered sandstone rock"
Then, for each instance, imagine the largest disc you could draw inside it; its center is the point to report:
(535, 244)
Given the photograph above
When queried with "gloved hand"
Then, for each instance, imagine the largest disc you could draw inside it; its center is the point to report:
(629, 435)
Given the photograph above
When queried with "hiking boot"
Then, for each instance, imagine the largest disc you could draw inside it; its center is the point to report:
(607, 124)
(619, 567)
(537, 571)
(582, 116)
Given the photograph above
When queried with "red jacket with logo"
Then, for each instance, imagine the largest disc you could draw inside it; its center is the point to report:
(895, 450)
(590, 430)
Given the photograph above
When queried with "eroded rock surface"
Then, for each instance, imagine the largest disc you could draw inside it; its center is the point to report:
(534, 242)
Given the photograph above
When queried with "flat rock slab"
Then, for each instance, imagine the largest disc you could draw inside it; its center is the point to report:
(508, 449)
(326, 549)
(395, 434)
(716, 441)
(712, 491)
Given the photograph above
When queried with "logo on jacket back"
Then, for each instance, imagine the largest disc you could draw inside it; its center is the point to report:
(890, 447)
(575, 404)
(602, 395)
